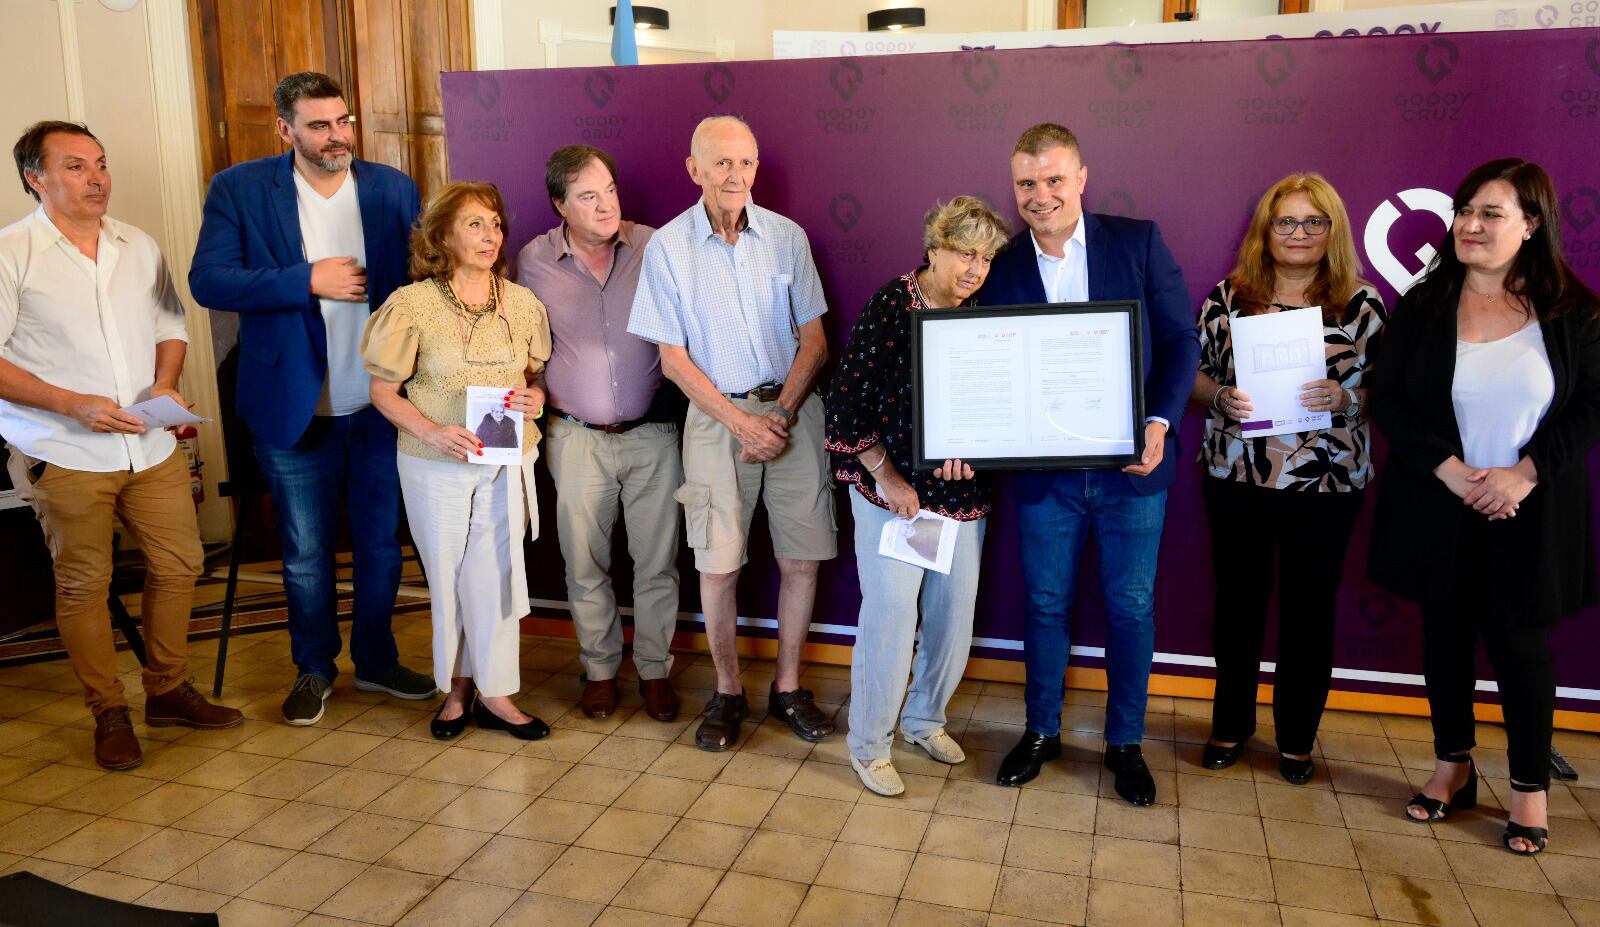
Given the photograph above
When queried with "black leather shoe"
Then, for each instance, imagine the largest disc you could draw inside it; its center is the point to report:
(532, 729)
(1025, 760)
(1134, 782)
(1295, 772)
(1216, 756)
(450, 730)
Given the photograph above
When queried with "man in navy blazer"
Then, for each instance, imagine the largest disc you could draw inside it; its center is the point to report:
(1068, 255)
(304, 246)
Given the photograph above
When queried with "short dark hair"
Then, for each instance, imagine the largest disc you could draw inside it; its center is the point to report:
(29, 149)
(303, 85)
(1036, 140)
(565, 164)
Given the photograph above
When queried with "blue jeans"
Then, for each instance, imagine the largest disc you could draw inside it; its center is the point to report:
(1127, 529)
(886, 632)
(336, 454)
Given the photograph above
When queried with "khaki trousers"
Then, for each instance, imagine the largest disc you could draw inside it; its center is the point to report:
(75, 508)
(596, 473)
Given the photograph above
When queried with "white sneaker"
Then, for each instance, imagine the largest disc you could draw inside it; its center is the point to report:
(879, 776)
(940, 746)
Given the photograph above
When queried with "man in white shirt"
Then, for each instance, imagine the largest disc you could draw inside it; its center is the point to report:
(89, 324)
(303, 246)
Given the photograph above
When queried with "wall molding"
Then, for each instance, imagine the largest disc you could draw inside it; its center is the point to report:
(71, 60)
(1039, 16)
(488, 35)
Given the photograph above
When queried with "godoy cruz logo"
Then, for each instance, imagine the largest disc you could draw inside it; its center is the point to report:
(719, 82)
(1436, 59)
(1375, 237)
(489, 127)
(1580, 209)
(1123, 68)
(1583, 102)
(1275, 63)
(845, 210)
(846, 77)
(1377, 610)
(980, 71)
(1591, 55)
(1116, 203)
(598, 87)
(1546, 16)
(485, 90)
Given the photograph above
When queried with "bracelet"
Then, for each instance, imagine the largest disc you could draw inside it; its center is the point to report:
(1216, 398)
(879, 465)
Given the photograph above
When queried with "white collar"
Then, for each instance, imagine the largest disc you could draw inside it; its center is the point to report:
(1078, 235)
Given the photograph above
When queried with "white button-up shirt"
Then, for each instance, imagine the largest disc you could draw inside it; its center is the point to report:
(1066, 278)
(86, 326)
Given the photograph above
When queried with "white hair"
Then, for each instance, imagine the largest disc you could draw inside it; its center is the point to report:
(697, 144)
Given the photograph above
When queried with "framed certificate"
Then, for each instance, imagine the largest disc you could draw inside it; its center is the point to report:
(1029, 387)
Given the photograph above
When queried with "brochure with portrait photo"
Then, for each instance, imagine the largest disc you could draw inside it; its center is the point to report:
(926, 539)
(499, 428)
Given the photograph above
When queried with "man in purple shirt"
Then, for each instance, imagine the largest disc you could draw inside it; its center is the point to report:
(612, 440)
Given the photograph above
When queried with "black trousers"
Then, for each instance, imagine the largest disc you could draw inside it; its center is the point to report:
(1259, 534)
(1523, 666)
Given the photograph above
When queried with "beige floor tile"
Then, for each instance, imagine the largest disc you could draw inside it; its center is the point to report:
(860, 868)
(1201, 910)
(686, 762)
(352, 789)
(171, 761)
(1117, 818)
(628, 917)
(831, 907)
(1209, 793)
(402, 757)
(230, 815)
(733, 804)
(1370, 812)
(39, 828)
(752, 901)
(922, 793)
(808, 816)
(461, 904)
(826, 780)
(1137, 861)
(1309, 843)
(379, 895)
(510, 862)
(1059, 810)
(1321, 888)
(167, 804)
(956, 883)
(11, 810)
(228, 770)
(384, 720)
(537, 910)
(1239, 875)
(1401, 854)
(596, 785)
(703, 843)
(1212, 830)
(281, 740)
(364, 837)
(49, 783)
(1583, 912)
(434, 850)
(758, 771)
(1369, 779)
(295, 826)
(636, 833)
(554, 821)
(525, 774)
(660, 794)
(563, 746)
(1037, 848)
(163, 855)
(778, 855)
(981, 800)
(304, 882)
(1359, 748)
(241, 912)
(482, 809)
(631, 753)
(587, 875)
(964, 838)
(663, 887)
(288, 779)
(916, 914)
(885, 827)
(174, 897)
(232, 867)
(1497, 906)
(102, 796)
(416, 799)
(1119, 904)
(460, 766)
(1418, 901)
(98, 842)
(1572, 876)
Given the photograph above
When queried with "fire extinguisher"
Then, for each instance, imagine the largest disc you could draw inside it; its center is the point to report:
(189, 443)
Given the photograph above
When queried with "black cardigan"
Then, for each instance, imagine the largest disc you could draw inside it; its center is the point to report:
(1547, 552)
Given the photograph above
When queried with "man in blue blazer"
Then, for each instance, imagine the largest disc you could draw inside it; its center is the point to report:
(304, 246)
(1068, 255)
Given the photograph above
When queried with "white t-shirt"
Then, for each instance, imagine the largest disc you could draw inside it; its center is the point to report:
(331, 227)
(1501, 391)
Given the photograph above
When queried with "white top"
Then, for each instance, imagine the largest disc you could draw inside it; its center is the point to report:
(1066, 278)
(331, 227)
(1501, 391)
(86, 326)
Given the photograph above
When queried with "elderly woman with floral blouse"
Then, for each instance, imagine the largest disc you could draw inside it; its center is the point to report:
(869, 434)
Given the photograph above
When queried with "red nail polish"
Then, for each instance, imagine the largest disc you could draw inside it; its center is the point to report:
(479, 453)
(508, 405)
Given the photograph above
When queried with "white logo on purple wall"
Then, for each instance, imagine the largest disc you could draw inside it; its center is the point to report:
(1375, 239)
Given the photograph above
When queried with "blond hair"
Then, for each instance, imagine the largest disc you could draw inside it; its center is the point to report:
(966, 223)
(1254, 275)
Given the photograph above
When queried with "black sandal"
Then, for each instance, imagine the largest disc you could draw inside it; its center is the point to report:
(1464, 798)
(1538, 836)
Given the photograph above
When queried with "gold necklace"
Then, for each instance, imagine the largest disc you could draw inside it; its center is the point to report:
(473, 315)
(1486, 296)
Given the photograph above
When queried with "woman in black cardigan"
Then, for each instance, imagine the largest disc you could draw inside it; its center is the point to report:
(1489, 395)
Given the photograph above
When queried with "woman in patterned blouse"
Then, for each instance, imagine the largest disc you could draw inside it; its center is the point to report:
(869, 434)
(1290, 497)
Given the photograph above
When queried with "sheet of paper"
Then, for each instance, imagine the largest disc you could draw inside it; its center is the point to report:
(499, 428)
(926, 539)
(163, 412)
(1274, 355)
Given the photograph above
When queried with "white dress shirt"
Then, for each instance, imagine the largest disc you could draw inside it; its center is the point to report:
(331, 227)
(86, 326)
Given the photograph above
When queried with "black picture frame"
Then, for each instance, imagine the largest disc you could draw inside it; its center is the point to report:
(1130, 307)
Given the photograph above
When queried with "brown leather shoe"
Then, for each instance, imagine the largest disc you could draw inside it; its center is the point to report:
(724, 714)
(187, 707)
(115, 747)
(660, 702)
(599, 698)
(798, 709)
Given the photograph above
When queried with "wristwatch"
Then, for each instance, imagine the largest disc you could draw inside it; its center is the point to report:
(1354, 400)
(789, 416)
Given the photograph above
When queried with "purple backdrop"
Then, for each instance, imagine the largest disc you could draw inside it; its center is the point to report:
(856, 149)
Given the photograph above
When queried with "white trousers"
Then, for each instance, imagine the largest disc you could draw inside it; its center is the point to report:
(459, 521)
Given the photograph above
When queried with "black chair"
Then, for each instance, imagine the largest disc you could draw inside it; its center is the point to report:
(27, 900)
(245, 486)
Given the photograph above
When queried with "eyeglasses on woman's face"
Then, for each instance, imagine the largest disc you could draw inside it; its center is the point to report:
(1313, 225)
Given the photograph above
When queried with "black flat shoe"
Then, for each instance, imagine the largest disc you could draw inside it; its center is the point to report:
(1295, 772)
(1464, 798)
(1133, 780)
(450, 730)
(1216, 756)
(533, 729)
(1025, 760)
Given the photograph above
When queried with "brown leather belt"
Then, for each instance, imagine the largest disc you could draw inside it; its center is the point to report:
(766, 392)
(617, 429)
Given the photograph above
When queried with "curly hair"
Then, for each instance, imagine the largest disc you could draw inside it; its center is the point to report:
(966, 223)
(430, 255)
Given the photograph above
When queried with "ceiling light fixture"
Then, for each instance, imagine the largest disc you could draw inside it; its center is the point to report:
(646, 17)
(903, 17)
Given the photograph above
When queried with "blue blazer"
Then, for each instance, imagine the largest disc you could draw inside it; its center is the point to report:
(250, 259)
(1127, 260)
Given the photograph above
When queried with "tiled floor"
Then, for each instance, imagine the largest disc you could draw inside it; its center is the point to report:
(366, 819)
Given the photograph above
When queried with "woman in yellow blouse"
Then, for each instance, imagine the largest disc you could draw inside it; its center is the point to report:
(462, 324)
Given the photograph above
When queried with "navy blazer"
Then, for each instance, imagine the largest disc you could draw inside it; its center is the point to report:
(250, 259)
(1127, 260)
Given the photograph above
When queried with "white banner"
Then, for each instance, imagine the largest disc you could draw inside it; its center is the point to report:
(1474, 16)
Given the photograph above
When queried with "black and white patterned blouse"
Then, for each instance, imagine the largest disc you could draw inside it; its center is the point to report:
(1336, 459)
(869, 403)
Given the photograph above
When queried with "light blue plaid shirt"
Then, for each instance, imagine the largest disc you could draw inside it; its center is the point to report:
(736, 308)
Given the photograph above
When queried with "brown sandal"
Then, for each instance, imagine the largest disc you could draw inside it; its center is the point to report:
(720, 729)
(799, 710)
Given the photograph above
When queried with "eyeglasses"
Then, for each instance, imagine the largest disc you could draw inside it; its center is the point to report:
(1314, 226)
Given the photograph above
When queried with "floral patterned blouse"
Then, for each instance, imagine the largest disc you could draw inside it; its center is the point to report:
(869, 403)
(1336, 459)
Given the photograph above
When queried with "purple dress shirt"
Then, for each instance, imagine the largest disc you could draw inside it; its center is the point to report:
(597, 371)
